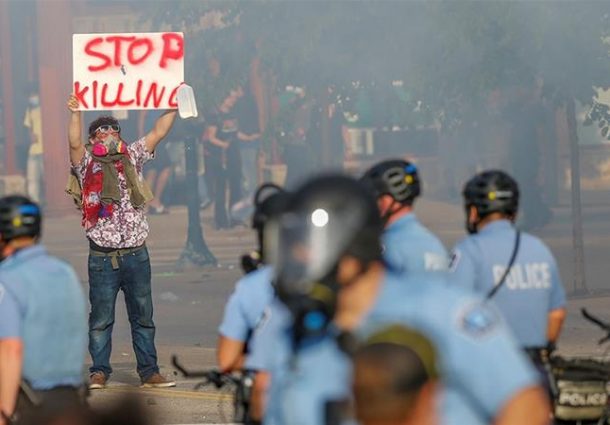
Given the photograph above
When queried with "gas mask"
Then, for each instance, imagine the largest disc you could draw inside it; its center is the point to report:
(107, 142)
(312, 312)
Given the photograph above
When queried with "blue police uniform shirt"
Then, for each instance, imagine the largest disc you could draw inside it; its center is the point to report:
(411, 247)
(301, 385)
(253, 292)
(532, 288)
(481, 364)
(43, 304)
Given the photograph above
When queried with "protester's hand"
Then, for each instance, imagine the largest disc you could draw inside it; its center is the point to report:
(73, 103)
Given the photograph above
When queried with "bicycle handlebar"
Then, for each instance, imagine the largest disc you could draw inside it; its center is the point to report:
(600, 323)
(214, 376)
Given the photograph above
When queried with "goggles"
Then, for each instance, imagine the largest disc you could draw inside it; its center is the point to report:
(107, 128)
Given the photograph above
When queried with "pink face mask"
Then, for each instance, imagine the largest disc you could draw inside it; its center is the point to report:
(109, 145)
(99, 149)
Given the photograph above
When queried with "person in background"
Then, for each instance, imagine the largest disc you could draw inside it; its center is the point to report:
(221, 134)
(512, 268)
(223, 159)
(35, 164)
(408, 245)
(247, 116)
(158, 172)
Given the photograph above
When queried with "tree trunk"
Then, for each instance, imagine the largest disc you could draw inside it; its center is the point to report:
(325, 129)
(580, 286)
(6, 53)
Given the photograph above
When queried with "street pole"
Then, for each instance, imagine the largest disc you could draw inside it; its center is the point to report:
(6, 55)
(196, 252)
(580, 284)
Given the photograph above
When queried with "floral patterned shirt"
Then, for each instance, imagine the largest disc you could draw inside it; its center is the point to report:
(127, 227)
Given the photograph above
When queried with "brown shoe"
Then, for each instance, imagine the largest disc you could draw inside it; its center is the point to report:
(97, 381)
(157, 381)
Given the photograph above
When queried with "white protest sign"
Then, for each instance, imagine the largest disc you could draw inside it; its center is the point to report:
(127, 71)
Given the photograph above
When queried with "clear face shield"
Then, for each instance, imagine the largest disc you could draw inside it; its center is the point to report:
(304, 248)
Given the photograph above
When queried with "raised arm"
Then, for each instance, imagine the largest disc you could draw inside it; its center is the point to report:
(162, 126)
(77, 149)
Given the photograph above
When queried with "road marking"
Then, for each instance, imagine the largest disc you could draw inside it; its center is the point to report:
(171, 393)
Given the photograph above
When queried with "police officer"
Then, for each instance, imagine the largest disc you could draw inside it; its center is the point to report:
(253, 292)
(395, 378)
(513, 268)
(43, 322)
(331, 282)
(408, 245)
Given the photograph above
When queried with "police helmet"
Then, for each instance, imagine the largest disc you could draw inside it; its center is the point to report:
(329, 217)
(492, 191)
(19, 216)
(395, 177)
(268, 201)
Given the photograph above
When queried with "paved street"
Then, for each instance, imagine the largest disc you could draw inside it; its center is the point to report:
(189, 304)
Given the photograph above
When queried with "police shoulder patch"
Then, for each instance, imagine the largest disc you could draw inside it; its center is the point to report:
(264, 319)
(477, 320)
(454, 260)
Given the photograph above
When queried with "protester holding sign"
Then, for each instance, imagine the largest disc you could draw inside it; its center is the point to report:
(107, 181)
(113, 199)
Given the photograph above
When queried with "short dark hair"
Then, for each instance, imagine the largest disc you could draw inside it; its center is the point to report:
(103, 120)
(390, 369)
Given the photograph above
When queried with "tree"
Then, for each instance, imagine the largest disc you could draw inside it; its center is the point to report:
(510, 46)
(469, 64)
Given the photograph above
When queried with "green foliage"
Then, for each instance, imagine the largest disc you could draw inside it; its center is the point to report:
(513, 47)
(211, 34)
(450, 55)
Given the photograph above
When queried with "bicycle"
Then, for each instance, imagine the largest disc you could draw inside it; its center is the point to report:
(242, 381)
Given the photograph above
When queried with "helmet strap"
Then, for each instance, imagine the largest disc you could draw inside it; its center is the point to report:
(3, 245)
(472, 226)
(387, 215)
(311, 314)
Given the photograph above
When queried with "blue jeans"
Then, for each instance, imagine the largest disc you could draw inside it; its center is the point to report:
(131, 274)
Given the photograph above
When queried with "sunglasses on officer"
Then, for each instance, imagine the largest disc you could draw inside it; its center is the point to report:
(107, 128)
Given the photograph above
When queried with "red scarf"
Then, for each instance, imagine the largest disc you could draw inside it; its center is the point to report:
(93, 207)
